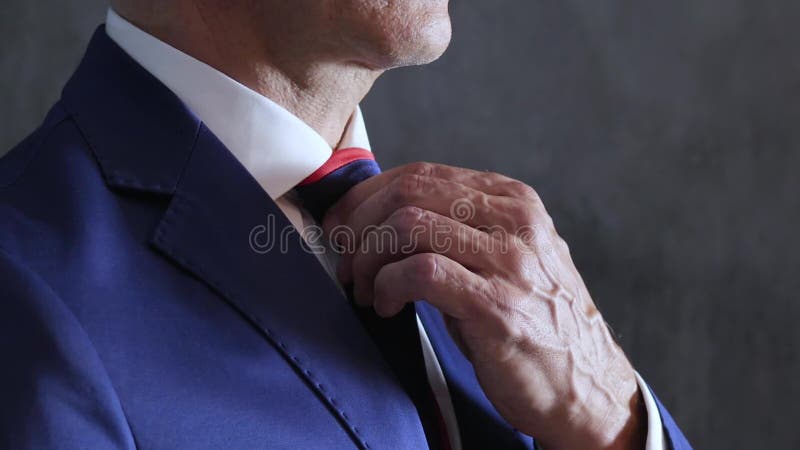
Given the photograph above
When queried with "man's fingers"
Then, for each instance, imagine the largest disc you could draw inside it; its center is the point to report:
(487, 182)
(409, 231)
(439, 280)
(444, 197)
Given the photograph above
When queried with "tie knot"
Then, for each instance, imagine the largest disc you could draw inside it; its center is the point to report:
(345, 168)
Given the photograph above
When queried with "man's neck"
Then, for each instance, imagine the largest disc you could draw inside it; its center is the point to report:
(321, 92)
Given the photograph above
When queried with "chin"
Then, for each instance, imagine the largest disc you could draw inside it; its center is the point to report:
(406, 36)
(422, 45)
(426, 45)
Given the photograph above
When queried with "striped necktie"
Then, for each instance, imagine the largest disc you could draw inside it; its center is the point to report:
(398, 337)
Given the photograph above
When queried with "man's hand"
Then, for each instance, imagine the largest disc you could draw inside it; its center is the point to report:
(481, 248)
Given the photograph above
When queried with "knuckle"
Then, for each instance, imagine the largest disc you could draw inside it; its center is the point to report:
(424, 169)
(406, 218)
(525, 213)
(562, 245)
(521, 212)
(531, 212)
(520, 189)
(548, 220)
(407, 187)
(424, 268)
(495, 177)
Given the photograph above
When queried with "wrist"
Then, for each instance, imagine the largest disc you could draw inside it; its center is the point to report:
(632, 434)
(607, 419)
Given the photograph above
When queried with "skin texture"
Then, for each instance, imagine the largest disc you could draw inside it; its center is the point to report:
(505, 284)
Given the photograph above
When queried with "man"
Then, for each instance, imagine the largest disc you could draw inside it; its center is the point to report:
(145, 305)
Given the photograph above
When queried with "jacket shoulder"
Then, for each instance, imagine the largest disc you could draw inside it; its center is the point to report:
(16, 160)
(40, 178)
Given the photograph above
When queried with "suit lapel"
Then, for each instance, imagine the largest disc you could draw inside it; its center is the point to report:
(218, 226)
(222, 227)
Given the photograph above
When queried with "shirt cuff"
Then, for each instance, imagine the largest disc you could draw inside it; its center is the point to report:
(655, 432)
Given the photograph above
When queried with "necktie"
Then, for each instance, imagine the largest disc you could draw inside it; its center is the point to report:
(398, 337)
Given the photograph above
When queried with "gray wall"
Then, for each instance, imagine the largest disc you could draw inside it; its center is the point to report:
(663, 136)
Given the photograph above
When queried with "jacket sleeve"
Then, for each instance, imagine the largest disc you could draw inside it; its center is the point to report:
(673, 437)
(54, 391)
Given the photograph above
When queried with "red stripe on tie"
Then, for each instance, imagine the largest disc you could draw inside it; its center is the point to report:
(338, 159)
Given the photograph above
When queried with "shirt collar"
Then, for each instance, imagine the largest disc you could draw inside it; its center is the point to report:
(275, 146)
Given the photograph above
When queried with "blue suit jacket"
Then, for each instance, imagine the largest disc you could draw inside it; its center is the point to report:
(134, 312)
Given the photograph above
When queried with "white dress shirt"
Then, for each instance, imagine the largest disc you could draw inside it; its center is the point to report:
(280, 150)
